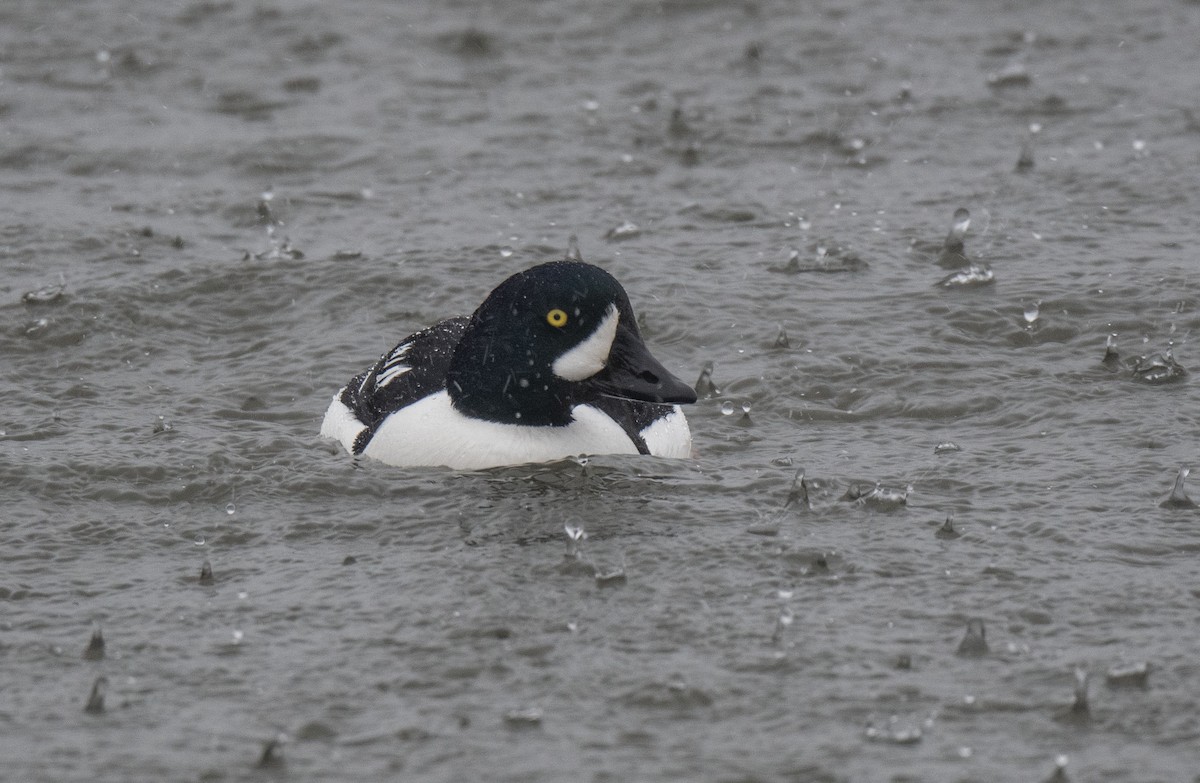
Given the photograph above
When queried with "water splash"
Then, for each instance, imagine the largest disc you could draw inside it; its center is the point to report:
(1179, 496)
(576, 535)
(1079, 711)
(46, 294)
(1111, 354)
(95, 648)
(613, 577)
(1131, 675)
(798, 492)
(705, 388)
(878, 497)
(95, 702)
(573, 253)
(1060, 769)
(974, 642)
(953, 254)
(1025, 160)
(978, 273)
(626, 230)
(895, 732)
(1032, 313)
(1159, 368)
(524, 717)
(782, 623)
(947, 530)
(272, 752)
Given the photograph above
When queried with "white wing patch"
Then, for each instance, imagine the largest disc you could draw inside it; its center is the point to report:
(590, 356)
(394, 367)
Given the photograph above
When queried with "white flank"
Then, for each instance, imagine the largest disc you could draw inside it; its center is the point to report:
(341, 424)
(669, 436)
(432, 432)
(589, 357)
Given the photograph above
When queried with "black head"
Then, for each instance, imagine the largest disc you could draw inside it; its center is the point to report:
(552, 337)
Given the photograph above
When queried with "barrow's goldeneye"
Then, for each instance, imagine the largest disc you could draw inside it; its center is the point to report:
(550, 366)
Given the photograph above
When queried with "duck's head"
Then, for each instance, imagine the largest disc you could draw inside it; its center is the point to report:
(551, 337)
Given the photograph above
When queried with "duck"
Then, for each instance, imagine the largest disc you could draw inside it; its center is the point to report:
(550, 366)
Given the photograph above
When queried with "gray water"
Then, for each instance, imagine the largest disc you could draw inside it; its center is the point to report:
(247, 203)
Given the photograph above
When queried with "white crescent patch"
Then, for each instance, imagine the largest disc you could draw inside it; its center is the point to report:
(590, 356)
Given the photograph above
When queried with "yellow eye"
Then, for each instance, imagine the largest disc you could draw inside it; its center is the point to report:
(556, 318)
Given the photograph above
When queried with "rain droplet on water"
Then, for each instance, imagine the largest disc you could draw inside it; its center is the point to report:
(506, 251)
(1032, 311)
(727, 408)
(230, 509)
(199, 540)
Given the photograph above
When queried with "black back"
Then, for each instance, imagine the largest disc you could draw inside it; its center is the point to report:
(383, 389)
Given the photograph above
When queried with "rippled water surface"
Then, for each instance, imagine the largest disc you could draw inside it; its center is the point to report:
(244, 204)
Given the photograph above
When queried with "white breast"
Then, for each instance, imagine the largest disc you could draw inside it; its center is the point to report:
(669, 436)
